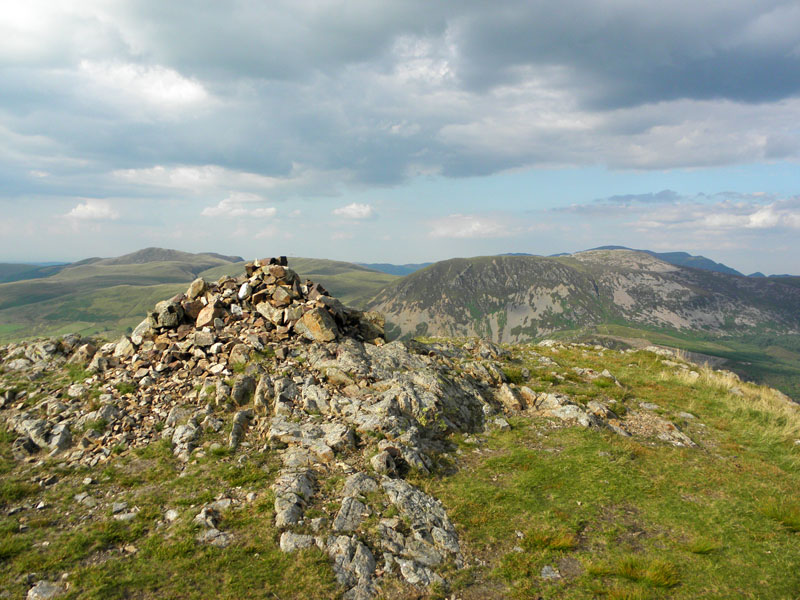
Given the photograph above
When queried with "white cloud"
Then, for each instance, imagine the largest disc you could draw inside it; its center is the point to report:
(235, 205)
(155, 84)
(354, 211)
(301, 180)
(725, 216)
(468, 226)
(93, 210)
(342, 235)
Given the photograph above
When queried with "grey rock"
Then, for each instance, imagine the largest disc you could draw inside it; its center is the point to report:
(291, 542)
(285, 393)
(19, 364)
(240, 421)
(203, 339)
(176, 415)
(184, 439)
(383, 463)
(350, 515)
(358, 484)
(46, 590)
(243, 388)
(270, 313)
(244, 291)
(353, 563)
(549, 573)
(171, 515)
(426, 515)
(240, 354)
(85, 499)
(262, 397)
(215, 537)
(417, 574)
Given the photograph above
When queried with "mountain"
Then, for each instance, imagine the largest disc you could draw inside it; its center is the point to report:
(399, 270)
(517, 298)
(253, 438)
(682, 259)
(523, 298)
(151, 255)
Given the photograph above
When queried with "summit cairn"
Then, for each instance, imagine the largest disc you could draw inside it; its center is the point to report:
(268, 300)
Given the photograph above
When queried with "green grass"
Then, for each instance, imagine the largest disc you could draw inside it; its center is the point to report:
(126, 387)
(642, 519)
(785, 511)
(107, 558)
(771, 359)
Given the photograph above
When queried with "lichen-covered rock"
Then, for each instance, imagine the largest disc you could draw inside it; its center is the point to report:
(318, 325)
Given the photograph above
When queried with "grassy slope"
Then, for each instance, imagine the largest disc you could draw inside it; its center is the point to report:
(622, 518)
(771, 359)
(618, 517)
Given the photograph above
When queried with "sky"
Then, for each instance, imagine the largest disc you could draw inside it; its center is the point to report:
(403, 131)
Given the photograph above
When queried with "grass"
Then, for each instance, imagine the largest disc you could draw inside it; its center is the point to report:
(107, 558)
(126, 387)
(785, 511)
(635, 518)
(77, 373)
(653, 572)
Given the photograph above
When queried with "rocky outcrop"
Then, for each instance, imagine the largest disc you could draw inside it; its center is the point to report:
(265, 363)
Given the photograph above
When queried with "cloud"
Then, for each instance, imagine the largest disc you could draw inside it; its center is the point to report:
(468, 226)
(235, 205)
(155, 84)
(300, 180)
(381, 92)
(355, 211)
(342, 235)
(93, 210)
(724, 217)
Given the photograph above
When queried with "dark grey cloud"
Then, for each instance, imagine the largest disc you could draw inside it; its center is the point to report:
(622, 54)
(372, 92)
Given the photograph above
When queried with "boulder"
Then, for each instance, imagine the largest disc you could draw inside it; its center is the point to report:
(196, 289)
(318, 325)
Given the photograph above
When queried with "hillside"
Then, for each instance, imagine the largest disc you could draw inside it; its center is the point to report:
(17, 271)
(514, 298)
(260, 440)
(521, 298)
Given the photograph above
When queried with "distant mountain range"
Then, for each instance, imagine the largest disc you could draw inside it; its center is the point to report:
(681, 259)
(400, 270)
